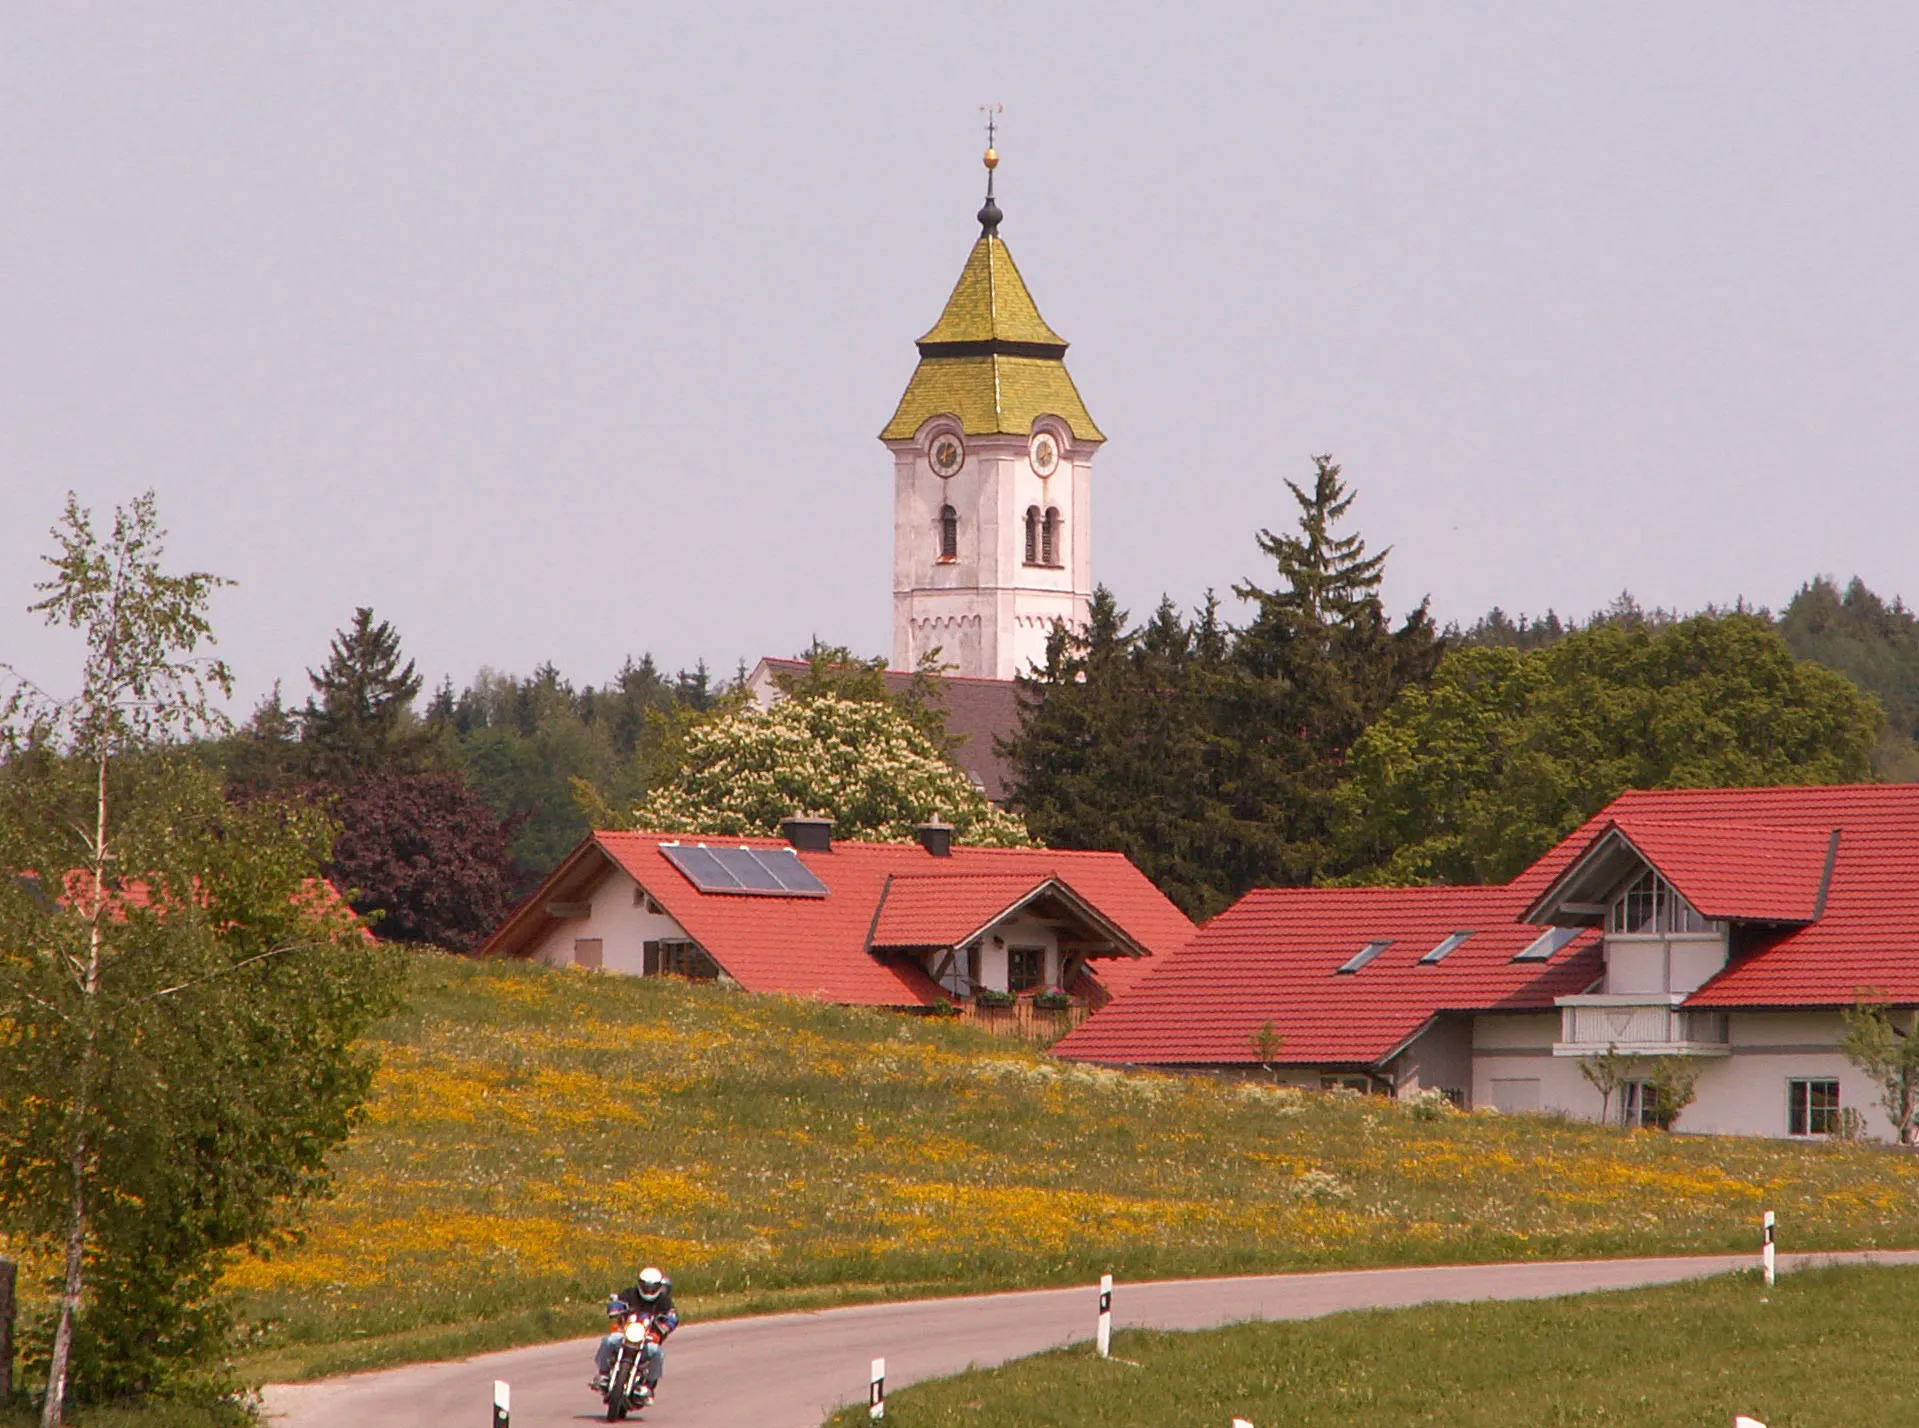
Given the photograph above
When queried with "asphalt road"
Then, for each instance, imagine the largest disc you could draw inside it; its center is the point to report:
(792, 1370)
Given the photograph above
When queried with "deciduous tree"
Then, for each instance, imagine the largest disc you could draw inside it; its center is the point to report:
(860, 763)
(1473, 777)
(178, 997)
(1889, 1053)
(425, 857)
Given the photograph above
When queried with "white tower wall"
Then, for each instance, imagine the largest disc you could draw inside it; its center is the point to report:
(988, 610)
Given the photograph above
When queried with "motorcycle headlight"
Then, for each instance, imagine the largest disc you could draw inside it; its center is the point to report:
(635, 1332)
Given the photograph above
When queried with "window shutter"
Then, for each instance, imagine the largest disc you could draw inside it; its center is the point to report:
(650, 959)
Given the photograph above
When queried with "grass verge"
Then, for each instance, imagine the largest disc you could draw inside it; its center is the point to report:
(1830, 1349)
(148, 1415)
(537, 1135)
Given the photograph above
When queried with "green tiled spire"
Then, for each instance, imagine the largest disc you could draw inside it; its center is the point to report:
(990, 304)
(991, 360)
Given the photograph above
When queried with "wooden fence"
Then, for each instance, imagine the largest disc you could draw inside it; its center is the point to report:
(1024, 1020)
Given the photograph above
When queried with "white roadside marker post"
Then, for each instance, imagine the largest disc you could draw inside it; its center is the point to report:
(502, 1402)
(876, 1393)
(1766, 1254)
(1744, 1422)
(1105, 1339)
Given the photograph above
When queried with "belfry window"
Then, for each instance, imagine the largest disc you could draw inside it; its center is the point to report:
(1049, 538)
(1032, 535)
(949, 535)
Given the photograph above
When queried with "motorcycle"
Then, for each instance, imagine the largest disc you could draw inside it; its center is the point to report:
(627, 1390)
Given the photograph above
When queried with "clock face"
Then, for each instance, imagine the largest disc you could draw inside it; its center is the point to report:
(1045, 454)
(947, 455)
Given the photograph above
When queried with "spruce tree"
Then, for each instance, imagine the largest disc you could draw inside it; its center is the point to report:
(1208, 755)
(363, 720)
(1320, 661)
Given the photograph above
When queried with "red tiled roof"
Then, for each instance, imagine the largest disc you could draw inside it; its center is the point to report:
(1755, 857)
(1868, 933)
(317, 897)
(1275, 954)
(938, 910)
(818, 946)
(1732, 872)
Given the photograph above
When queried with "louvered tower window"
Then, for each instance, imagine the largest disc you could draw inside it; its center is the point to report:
(949, 534)
(1049, 538)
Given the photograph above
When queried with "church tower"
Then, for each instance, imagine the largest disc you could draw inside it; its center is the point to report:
(992, 477)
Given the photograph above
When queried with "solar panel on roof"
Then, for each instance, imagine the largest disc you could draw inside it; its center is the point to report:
(794, 876)
(762, 872)
(751, 874)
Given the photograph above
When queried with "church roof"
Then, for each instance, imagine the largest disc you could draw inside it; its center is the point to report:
(990, 303)
(991, 394)
(991, 360)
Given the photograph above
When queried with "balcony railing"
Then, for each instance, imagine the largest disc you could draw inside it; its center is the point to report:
(1023, 1019)
(1638, 1025)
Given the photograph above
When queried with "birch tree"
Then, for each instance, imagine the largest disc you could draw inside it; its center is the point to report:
(170, 1079)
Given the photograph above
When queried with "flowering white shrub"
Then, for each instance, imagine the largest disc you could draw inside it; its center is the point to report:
(1429, 1103)
(860, 763)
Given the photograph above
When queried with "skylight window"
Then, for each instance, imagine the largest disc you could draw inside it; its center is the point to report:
(1364, 955)
(1438, 954)
(1547, 943)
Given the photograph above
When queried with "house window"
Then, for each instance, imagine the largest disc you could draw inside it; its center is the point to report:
(1451, 943)
(1812, 1107)
(1049, 538)
(1032, 535)
(1515, 1094)
(678, 958)
(1638, 1105)
(949, 535)
(1364, 955)
(1025, 968)
(1651, 905)
(589, 952)
(1362, 1084)
(1542, 947)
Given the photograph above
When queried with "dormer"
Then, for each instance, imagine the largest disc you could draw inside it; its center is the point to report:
(1669, 896)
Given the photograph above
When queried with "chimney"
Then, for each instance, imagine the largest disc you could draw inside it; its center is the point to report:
(936, 838)
(808, 835)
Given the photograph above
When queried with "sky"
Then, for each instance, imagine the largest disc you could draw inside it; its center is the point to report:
(564, 331)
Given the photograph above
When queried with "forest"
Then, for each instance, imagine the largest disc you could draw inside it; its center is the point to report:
(1320, 739)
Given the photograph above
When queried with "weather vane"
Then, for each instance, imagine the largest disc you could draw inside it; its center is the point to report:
(989, 216)
(992, 113)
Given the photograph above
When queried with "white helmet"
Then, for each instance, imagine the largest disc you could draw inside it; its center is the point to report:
(651, 1282)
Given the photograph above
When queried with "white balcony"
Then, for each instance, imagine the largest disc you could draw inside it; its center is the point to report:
(1639, 1024)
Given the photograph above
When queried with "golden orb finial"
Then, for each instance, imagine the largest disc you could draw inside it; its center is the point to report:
(992, 158)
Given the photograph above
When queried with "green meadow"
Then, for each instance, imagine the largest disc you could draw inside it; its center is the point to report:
(1827, 1348)
(535, 1135)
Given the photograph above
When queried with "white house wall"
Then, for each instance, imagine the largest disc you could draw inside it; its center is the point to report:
(1017, 931)
(622, 928)
(1744, 1093)
(1439, 1058)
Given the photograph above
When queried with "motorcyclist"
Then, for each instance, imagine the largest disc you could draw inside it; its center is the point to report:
(652, 1295)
